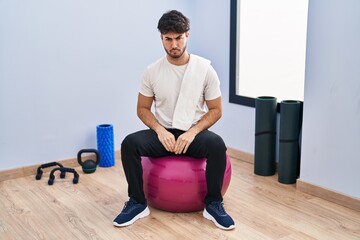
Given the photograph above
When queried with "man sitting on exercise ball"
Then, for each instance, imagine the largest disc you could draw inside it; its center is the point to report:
(186, 92)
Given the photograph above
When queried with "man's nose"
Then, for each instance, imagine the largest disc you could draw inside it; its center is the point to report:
(174, 44)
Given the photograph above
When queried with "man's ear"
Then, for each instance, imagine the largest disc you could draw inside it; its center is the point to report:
(187, 34)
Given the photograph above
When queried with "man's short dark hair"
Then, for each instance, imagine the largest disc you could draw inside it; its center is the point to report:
(173, 21)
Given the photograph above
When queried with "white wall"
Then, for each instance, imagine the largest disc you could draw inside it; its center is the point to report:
(67, 66)
(331, 127)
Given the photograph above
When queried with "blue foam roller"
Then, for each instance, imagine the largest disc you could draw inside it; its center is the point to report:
(105, 144)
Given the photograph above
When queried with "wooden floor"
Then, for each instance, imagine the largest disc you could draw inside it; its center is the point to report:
(261, 207)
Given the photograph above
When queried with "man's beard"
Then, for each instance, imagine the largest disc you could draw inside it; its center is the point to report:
(179, 53)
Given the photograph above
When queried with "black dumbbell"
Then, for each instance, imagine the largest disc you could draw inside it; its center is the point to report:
(39, 172)
(63, 171)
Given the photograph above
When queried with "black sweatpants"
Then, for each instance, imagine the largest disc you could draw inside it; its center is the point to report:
(206, 144)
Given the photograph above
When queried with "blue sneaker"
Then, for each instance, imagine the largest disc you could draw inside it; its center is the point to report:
(131, 212)
(215, 212)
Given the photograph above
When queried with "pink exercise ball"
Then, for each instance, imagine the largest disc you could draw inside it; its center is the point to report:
(177, 183)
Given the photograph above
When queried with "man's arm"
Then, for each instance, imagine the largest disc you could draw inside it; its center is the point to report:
(209, 119)
(147, 117)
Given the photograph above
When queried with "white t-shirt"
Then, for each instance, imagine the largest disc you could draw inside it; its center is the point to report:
(162, 80)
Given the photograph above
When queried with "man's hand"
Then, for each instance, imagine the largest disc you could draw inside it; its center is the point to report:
(166, 138)
(184, 141)
(148, 118)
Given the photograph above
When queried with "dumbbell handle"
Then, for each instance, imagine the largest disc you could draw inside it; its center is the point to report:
(63, 170)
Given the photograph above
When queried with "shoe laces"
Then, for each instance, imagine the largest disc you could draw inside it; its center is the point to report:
(128, 205)
(219, 206)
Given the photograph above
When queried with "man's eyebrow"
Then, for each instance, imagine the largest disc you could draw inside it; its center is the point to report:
(177, 37)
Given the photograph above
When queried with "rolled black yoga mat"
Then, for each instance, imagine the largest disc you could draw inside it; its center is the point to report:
(289, 146)
(265, 135)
